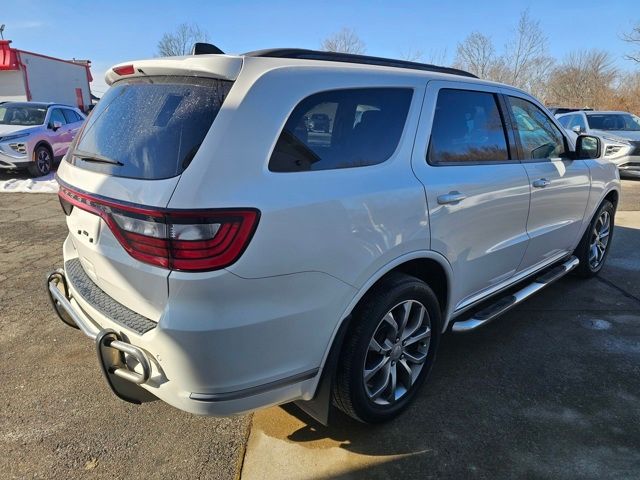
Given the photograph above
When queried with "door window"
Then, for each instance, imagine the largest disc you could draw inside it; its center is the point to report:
(578, 121)
(566, 120)
(467, 127)
(57, 116)
(539, 137)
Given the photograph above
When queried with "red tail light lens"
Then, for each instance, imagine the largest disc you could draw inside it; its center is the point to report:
(124, 70)
(200, 240)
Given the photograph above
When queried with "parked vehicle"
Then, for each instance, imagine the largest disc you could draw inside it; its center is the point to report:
(619, 132)
(34, 135)
(223, 275)
(560, 110)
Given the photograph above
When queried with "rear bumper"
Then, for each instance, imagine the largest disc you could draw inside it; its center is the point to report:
(188, 362)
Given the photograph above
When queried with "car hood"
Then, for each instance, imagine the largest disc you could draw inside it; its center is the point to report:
(621, 134)
(6, 130)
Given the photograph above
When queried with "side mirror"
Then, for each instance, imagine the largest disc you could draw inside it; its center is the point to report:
(588, 147)
(55, 125)
(577, 129)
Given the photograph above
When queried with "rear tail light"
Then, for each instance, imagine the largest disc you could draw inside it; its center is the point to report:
(199, 240)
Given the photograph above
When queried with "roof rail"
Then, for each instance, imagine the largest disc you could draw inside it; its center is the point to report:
(351, 58)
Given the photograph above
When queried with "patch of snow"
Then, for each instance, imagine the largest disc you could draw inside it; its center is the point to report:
(22, 183)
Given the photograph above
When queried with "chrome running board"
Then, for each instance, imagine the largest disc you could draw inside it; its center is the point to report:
(507, 302)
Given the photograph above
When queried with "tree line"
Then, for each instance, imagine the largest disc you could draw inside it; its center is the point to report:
(582, 79)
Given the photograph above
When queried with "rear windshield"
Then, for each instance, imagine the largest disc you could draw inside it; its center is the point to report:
(149, 128)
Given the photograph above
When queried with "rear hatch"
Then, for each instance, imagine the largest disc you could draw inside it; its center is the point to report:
(123, 167)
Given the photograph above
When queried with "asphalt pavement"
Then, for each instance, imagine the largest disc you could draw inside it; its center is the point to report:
(550, 390)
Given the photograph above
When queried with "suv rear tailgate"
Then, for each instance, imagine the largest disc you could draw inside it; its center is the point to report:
(123, 168)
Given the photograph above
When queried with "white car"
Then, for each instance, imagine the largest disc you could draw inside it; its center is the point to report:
(34, 135)
(618, 131)
(226, 257)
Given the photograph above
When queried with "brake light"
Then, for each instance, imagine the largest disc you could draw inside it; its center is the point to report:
(199, 240)
(124, 70)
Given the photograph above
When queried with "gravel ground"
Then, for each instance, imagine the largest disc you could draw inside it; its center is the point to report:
(58, 418)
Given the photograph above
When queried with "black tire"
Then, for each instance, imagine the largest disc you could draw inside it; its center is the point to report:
(42, 161)
(586, 268)
(349, 392)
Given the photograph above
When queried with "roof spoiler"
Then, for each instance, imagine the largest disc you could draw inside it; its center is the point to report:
(202, 48)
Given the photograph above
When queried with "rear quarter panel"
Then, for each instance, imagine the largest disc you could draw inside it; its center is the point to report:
(347, 223)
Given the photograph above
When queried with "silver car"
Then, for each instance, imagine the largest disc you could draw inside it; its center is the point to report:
(619, 132)
(34, 135)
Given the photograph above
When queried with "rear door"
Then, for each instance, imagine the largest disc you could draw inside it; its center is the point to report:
(477, 190)
(58, 137)
(74, 122)
(559, 185)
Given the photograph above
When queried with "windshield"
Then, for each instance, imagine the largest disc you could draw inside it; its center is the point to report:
(25, 115)
(150, 127)
(614, 121)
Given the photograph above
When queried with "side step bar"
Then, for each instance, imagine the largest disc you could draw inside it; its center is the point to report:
(506, 303)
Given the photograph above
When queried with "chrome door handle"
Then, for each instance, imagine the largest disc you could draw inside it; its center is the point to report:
(451, 198)
(541, 183)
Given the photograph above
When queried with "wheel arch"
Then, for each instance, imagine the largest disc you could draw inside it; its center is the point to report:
(42, 143)
(427, 265)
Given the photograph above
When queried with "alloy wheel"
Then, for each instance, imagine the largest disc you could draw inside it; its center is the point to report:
(599, 239)
(43, 161)
(397, 352)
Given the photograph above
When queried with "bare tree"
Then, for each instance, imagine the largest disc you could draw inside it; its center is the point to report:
(633, 38)
(412, 55)
(584, 79)
(181, 40)
(526, 55)
(437, 56)
(344, 41)
(476, 54)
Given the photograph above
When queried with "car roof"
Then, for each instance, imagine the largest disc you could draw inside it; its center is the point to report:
(38, 104)
(607, 112)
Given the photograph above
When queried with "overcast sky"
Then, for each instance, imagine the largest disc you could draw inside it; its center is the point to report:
(116, 31)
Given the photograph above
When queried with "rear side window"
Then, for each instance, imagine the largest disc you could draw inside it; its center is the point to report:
(71, 116)
(539, 137)
(149, 128)
(467, 128)
(342, 129)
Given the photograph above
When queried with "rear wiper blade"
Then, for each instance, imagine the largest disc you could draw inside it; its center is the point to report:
(93, 157)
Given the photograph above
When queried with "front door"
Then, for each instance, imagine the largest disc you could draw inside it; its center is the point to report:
(477, 190)
(559, 185)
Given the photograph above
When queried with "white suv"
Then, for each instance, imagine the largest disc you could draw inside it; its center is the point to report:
(226, 256)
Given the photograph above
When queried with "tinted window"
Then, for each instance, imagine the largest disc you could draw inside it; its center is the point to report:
(614, 121)
(149, 127)
(467, 127)
(57, 116)
(71, 116)
(342, 129)
(539, 137)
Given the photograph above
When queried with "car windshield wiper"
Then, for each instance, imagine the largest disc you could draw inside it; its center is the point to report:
(95, 158)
